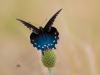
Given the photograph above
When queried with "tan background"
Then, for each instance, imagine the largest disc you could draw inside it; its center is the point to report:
(78, 51)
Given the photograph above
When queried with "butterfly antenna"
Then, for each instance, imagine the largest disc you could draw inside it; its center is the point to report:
(44, 21)
(34, 24)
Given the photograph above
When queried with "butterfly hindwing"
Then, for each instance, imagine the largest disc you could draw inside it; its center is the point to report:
(52, 38)
(31, 27)
(46, 40)
(38, 42)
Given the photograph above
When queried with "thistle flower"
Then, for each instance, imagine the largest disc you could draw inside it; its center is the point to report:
(49, 58)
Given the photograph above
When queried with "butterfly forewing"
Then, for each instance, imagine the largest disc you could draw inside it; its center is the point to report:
(50, 22)
(31, 27)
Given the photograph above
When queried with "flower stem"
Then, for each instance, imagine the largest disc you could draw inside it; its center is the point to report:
(50, 71)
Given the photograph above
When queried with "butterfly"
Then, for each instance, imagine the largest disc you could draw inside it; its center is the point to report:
(43, 38)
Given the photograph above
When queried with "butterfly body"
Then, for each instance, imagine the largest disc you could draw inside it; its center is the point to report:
(41, 29)
(43, 38)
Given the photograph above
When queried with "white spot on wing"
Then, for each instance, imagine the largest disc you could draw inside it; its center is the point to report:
(35, 43)
(35, 47)
(33, 40)
(55, 33)
(48, 44)
(54, 41)
(45, 45)
(42, 47)
(38, 45)
(52, 48)
(51, 44)
(55, 37)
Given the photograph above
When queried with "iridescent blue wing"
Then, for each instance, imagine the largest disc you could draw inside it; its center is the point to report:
(52, 38)
(46, 40)
(31, 27)
(38, 41)
(50, 22)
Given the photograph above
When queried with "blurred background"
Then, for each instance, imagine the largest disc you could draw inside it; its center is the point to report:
(78, 51)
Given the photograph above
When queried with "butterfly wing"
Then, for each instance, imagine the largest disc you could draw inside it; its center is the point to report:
(31, 27)
(46, 40)
(38, 41)
(50, 22)
(52, 38)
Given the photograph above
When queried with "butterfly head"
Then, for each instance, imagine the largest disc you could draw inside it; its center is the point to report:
(41, 29)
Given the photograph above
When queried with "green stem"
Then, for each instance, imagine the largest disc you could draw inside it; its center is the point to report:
(50, 71)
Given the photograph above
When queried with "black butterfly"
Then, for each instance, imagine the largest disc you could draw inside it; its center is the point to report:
(43, 38)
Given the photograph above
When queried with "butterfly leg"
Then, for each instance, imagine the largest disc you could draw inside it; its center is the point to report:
(42, 52)
(54, 47)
